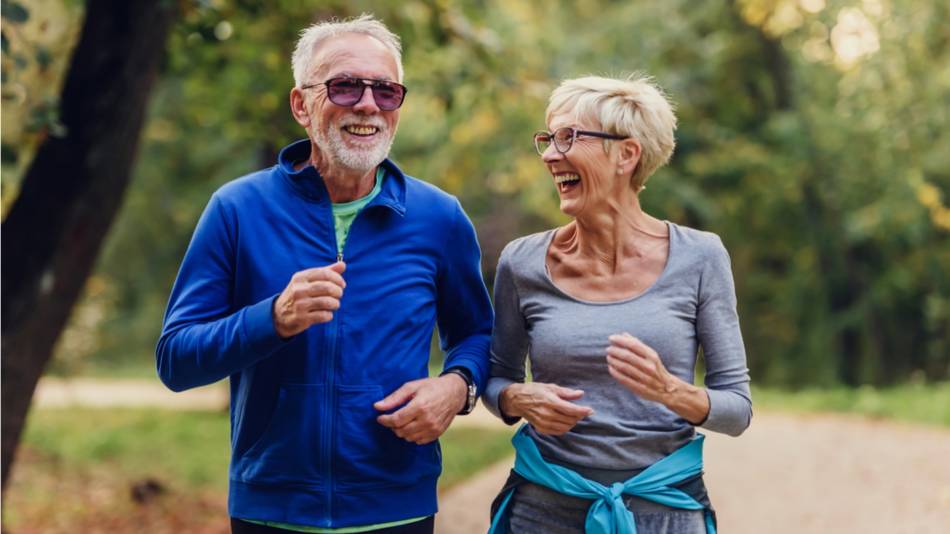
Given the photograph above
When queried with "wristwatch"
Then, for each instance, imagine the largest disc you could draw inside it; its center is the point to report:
(470, 385)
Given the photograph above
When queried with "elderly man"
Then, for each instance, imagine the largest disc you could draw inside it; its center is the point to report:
(315, 286)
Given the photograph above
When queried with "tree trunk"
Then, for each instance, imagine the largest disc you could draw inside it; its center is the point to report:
(72, 191)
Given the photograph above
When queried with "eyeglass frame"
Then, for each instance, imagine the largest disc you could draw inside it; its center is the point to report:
(367, 82)
(574, 133)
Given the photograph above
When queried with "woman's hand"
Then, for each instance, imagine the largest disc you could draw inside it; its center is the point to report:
(639, 368)
(546, 407)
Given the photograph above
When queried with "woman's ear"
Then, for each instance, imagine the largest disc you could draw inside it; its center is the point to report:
(629, 156)
(298, 106)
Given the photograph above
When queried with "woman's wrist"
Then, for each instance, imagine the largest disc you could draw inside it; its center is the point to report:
(688, 401)
(506, 404)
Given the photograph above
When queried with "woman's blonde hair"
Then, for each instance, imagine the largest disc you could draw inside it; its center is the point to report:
(635, 106)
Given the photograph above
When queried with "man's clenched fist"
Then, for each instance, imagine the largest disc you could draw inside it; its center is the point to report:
(310, 298)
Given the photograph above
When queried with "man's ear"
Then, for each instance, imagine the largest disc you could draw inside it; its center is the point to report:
(298, 106)
(630, 151)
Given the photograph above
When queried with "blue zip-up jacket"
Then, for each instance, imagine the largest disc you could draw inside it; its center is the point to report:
(305, 445)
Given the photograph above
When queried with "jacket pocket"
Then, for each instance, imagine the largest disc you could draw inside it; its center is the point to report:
(369, 454)
(288, 452)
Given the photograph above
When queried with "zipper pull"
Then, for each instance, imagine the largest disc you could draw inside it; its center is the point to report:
(339, 256)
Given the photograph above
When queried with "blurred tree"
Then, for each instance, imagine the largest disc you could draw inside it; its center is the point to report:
(72, 189)
(813, 138)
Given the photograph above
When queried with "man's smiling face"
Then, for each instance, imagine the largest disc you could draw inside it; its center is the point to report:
(357, 138)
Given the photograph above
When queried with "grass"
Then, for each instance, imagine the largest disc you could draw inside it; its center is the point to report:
(190, 448)
(918, 403)
(77, 470)
(138, 367)
(465, 451)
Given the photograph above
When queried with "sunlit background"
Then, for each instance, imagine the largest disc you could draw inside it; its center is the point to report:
(814, 138)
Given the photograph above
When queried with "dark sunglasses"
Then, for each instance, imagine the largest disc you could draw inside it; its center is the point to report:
(563, 138)
(348, 91)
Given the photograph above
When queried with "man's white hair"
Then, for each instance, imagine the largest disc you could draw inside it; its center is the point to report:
(312, 37)
(634, 106)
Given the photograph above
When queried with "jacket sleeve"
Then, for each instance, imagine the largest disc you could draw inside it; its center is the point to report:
(509, 345)
(717, 327)
(204, 336)
(463, 309)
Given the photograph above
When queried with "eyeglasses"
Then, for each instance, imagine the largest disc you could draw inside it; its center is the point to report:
(563, 138)
(348, 91)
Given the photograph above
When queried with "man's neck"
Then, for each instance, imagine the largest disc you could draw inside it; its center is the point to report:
(342, 183)
(347, 187)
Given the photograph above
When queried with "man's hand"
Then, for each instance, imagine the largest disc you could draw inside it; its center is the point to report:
(430, 405)
(546, 407)
(310, 298)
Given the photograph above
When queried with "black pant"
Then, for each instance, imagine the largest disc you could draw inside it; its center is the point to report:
(426, 526)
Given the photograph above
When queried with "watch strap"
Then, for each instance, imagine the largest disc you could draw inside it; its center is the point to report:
(470, 394)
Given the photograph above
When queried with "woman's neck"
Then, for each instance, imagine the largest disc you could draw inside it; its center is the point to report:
(611, 235)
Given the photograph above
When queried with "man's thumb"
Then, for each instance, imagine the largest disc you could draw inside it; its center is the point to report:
(396, 398)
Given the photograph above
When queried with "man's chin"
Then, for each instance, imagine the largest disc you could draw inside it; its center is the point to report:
(362, 159)
(356, 159)
(360, 165)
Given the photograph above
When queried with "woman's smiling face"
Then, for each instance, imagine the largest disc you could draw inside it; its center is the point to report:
(585, 176)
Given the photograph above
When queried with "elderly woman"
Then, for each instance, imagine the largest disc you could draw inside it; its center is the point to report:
(612, 309)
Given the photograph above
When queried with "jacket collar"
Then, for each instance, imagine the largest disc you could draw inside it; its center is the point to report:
(308, 182)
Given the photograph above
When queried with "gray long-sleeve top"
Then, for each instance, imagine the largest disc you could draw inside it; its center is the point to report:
(691, 305)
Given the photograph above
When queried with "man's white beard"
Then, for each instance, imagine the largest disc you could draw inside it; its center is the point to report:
(330, 140)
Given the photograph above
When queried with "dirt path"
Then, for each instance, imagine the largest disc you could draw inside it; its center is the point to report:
(794, 474)
(129, 393)
(787, 473)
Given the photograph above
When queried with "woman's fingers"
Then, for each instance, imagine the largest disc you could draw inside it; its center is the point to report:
(642, 381)
(553, 423)
(625, 380)
(634, 345)
(624, 360)
(550, 411)
(566, 393)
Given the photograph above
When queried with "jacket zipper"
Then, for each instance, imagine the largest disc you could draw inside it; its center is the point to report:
(329, 412)
(331, 374)
(334, 397)
(330, 407)
(332, 368)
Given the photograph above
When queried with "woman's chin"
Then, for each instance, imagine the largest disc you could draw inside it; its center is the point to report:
(570, 207)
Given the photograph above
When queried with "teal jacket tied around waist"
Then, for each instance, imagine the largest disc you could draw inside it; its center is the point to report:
(608, 514)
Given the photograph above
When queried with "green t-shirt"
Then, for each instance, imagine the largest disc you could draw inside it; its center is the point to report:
(345, 212)
(343, 216)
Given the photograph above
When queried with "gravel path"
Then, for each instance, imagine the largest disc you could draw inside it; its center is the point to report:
(794, 474)
(787, 473)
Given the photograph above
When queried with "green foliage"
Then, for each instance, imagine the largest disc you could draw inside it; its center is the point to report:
(912, 402)
(36, 43)
(190, 449)
(813, 138)
(466, 451)
(14, 12)
(76, 467)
